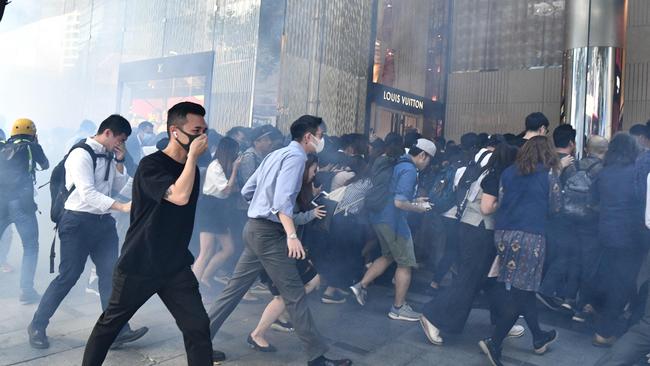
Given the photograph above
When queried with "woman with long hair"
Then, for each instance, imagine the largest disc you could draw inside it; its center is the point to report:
(620, 238)
(529, 193)
(310, 278)
(216, 203)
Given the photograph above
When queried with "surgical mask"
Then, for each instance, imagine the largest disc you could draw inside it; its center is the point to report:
(319, 146)
(186, 147)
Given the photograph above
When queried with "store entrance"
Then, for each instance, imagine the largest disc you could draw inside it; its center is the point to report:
(147, 89)
(387, 120)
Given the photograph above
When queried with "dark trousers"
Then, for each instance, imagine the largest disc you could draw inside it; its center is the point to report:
(449, 311)
(266, 249)
(511, 304)
(451, 249)
(633, 345)
(590, 253)
(82, 235)
(616, 285)
(22, 213)
(179, 293)
(337, 255)
(562, 263)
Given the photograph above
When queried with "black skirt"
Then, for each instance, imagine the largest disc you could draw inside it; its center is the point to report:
(214, 215)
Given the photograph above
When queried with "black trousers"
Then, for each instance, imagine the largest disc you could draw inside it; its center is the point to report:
(449, 311)
(450, 256)
(633, 345)
(82, 235)
(179, 293)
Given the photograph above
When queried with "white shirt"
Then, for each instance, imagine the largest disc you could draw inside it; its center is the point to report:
(92, 193)
(215, 181)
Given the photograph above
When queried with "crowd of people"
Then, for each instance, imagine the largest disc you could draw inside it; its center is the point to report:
(205, 221)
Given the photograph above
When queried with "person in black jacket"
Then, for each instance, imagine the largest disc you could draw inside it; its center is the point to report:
(20, 156)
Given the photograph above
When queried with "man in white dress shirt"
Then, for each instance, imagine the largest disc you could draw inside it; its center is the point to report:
(87, 227)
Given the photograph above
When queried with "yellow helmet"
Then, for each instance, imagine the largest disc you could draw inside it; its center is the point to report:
(23, 126)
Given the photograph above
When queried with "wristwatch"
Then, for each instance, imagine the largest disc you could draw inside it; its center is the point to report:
(292, 236)
(120, 160)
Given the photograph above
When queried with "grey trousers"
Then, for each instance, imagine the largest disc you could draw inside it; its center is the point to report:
(266, 248)
(633, 345)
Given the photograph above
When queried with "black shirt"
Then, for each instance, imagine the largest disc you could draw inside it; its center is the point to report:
(490, 184)
(160, 232)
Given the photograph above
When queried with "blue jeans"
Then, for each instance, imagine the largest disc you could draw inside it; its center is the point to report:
(22, 213)
(81, 235)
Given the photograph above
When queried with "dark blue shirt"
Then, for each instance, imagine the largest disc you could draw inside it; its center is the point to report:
(621, 212)
(402, 188)
(524, 206)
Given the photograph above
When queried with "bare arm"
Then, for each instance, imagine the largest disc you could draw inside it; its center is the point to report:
(489, 204)
(179, 193)
(419, 207)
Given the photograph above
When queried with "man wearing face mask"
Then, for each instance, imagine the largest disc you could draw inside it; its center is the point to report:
(391, 226)
(155, 258)
(142, 138)
(271, 240)
(87, 227)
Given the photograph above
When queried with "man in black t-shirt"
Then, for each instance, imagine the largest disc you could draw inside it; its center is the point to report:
(155, 258)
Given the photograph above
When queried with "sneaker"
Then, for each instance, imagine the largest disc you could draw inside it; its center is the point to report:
(360, 293)
(491, 351)
(405, 312)
(580, 316)
(37, 338)
(29, 297)
(281, 326)
(93, 283)
(541, 346)
(259, 289)
(218, 356)
(323, 361)
(337, 298)
(553, 303)
(430, 330)
(516, 331)
(129, 336)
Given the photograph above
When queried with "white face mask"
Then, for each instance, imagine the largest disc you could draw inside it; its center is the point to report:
(319, 146)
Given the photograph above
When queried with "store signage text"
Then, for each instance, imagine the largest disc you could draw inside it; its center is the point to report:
(406, 101)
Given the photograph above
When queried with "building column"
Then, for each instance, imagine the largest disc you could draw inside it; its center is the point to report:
(592, 82)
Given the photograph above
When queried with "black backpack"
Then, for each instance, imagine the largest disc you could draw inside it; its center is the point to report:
(472, 172)
(59, 194)
(381, 174)
(577, 199)
(442, 196)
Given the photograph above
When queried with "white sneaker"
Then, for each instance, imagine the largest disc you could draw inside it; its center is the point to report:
(516, 331)
(360, 293)
(430, 330)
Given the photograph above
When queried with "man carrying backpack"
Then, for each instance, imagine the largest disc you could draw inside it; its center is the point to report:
(391, 226)
(560, 282)
(93, 169)
(19, 157)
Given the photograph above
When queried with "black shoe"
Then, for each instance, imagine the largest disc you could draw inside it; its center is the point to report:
(129, 336)
(29, 297)
(37, 338)
(541, 345)
(323, 361)
(251, 342)
(491, 351)
(552, 303)
(218, 356)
